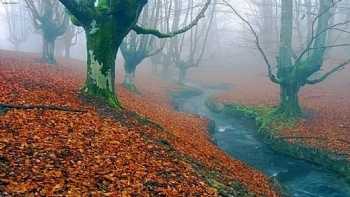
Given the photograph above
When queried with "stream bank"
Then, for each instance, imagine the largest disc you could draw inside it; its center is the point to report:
(297, 177)
(330, 160)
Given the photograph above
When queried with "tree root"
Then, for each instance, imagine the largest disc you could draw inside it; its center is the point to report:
(44, 107)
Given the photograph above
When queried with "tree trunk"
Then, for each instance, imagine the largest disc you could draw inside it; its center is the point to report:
(129, 77)
(51, 52)
(103, 42)
(44, 50)
(289, 101)
(48, 51)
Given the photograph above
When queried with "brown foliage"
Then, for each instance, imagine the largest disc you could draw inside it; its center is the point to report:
(45, 152)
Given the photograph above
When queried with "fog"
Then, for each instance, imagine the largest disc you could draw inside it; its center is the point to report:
(265, 82)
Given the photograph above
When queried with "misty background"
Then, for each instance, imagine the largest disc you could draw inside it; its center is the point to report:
(230, 44)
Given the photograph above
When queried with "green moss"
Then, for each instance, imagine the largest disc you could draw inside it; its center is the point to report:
(105, 95)
(266, 117)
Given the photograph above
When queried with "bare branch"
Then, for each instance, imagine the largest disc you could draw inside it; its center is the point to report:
(141, 30)
(326, 75)
(273, 78)
(314, 37)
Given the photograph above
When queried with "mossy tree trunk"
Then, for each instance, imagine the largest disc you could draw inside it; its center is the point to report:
(288, 94)
(289, 100)
(293, 76)
(106, 24)
(103, 41)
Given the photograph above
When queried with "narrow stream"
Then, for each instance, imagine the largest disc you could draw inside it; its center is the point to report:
(299, 178)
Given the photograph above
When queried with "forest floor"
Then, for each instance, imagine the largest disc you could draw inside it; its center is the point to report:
(101, 151)
(326, 124)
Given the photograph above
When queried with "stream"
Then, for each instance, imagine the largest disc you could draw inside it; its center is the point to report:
(297, 177)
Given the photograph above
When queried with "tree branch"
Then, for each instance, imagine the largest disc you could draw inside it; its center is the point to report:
(272, 77)
(82, 13)
(45, 107)
(326, 75)
(141, 30)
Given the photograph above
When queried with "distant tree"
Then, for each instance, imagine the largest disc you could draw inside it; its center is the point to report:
(51, 19)
(136, 48)
(106, 24)
(17, 21)
(186, 51)
(296, 71)
(68, 40)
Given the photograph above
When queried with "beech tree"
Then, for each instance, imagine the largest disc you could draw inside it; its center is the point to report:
(106, 24)
(136, 48)
(296, 71)
(68, 40)
(186, 51)
(50, 18)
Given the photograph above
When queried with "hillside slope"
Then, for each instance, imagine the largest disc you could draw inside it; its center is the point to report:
(103, 152)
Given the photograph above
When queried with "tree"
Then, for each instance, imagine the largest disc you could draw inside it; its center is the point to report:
(293, 73)
(183, 55)
(106, 24)
(16, 18)
(67, 41)
(136, 48)
(51, 19)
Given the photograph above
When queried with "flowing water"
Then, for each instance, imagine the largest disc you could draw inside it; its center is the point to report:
(299, 178)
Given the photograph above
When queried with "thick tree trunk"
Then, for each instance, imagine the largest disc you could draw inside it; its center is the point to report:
(129, 76)
(102, 46)
(289, 101)
(51, 52)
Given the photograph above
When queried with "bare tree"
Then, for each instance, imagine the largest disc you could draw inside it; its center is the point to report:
(51, 19)
(136, 48)
(106, 24)
(293, 73)
(68, 40)
(187, 50)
